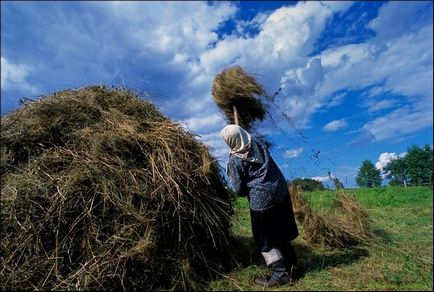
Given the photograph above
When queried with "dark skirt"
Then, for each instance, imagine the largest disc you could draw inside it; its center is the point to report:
(274, 227)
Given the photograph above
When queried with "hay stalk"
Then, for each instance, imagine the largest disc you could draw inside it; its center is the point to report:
(101, 191)
(347, 224)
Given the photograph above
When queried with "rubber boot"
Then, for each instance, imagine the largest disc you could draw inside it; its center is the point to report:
(278, 276)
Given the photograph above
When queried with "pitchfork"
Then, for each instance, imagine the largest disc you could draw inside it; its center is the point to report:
(236, 115)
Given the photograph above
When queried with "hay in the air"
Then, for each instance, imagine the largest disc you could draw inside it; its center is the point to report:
(347, 224)
(233, 86)
(101, 191)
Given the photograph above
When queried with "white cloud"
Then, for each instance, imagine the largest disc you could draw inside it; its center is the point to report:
(411, 18)
(322, 178)
(284, 37)
(376, 105)
(376, 91)
(191, 30)
(338, 6)
(299, 87)
(300, 24)
(336, 99)
(335, 125)
(224, 54)
(293, 153)
(400, 122)
(389, 64)
(242, 26)
(211, 122)
(179, 58)
(218, 146)
(384, 159)
(13, 76)
(96, 42)
(326, 178)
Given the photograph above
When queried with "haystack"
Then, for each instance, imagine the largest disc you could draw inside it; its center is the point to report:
(233, 86)
(346, 224)
(101, 191)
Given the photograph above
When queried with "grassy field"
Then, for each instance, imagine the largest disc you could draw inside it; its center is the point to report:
(401, 260)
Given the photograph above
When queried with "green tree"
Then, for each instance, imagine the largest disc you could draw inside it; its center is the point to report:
(395, 182)
(368, 176)
(420, 164)
(397, 171)
(415, 168)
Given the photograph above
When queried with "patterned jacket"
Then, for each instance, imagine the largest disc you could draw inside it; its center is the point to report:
(263, 184)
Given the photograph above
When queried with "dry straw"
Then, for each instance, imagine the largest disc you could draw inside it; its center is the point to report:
(101, 191)
(347, 224)
(234, 87)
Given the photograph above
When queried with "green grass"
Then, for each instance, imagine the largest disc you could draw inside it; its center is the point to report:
(401, 260)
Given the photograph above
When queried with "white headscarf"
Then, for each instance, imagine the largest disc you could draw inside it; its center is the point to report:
(240, 142)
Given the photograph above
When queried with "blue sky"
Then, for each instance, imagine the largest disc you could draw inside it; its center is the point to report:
(356, 77)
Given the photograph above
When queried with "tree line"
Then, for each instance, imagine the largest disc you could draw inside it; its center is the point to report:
(415, 168)
(310, 185)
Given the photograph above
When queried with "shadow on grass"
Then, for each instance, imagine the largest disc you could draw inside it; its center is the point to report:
(309, 258)
(382, 236)
(316, 259)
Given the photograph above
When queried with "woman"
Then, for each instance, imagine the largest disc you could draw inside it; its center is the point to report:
(252, 172)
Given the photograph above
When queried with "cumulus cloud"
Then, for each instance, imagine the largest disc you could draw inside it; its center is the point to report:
(299, 86)
(146, 26)
(243, 27)
(335, 125)
(327, 180)
(293, 153)
(385, 63)
(98, 42)
(211, 122)
(13, 76)
(176, 61)
(321, 178)
(411, 18)
(384, 159)
(284, 37)
(133, 42)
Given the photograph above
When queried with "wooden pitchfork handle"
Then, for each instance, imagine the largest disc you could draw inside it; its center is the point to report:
(236, 115)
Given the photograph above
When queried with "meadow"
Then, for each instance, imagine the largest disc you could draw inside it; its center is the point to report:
(401, 258)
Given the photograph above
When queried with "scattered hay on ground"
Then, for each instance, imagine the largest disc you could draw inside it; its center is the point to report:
(346, 224)
(233, 86)
(101, 191)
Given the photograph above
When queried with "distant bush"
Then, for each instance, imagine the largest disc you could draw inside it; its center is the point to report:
(307, 184)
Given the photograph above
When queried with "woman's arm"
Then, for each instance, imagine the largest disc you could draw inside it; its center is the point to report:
(236, 178)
